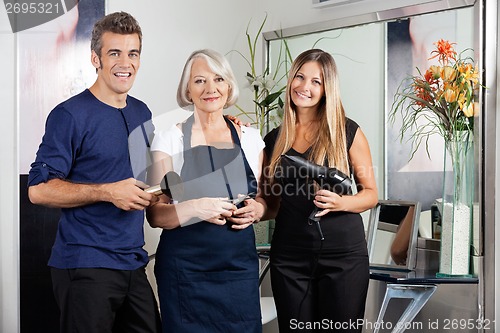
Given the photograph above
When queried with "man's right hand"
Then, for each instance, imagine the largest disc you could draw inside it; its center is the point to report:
(129, 195)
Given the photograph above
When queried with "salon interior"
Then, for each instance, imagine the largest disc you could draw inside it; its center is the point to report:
(376, 43)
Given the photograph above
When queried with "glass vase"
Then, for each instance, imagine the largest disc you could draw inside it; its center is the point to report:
(457, 205)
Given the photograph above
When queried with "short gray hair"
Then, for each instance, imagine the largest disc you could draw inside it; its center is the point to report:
(219, 65)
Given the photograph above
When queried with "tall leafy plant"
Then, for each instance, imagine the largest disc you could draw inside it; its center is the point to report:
(267, 86)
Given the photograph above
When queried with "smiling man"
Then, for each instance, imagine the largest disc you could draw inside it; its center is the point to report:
(83, 166)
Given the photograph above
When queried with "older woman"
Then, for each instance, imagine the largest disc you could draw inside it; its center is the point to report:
(206, 263)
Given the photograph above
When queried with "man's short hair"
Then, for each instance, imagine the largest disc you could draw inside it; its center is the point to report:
(119, 23)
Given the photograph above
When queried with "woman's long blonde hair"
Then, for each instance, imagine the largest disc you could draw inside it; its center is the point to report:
(330, 143)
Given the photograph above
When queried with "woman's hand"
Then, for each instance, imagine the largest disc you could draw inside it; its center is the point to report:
(247, 215)
(214, 210)
(327, 201)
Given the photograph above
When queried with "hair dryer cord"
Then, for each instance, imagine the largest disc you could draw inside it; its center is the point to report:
(315, 219)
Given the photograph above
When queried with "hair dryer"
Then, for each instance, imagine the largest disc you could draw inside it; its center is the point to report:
(171, 185)
(328, 178)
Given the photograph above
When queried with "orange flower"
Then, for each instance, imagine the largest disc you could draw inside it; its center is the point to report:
(450, 95)
(461, 101)
(448, 73)
(470, 73)
(444, 51)
(432, 75)
(468, 110)
(422, 91)
(445, 92)
(436, 71)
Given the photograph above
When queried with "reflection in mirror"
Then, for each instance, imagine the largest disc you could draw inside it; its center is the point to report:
(392, 234)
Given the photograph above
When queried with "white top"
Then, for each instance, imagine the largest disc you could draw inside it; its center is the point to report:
(170, 141)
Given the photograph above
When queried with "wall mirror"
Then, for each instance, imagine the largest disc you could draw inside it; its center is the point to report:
(392, 234)
(374, 53)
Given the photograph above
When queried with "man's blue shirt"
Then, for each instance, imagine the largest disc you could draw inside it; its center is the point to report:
(88, 141)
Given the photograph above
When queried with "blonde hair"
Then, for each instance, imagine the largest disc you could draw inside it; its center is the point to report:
(330, 144)
(219, 65)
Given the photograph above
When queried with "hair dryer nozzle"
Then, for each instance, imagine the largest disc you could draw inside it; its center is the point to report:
(171, 185)
(328, 178)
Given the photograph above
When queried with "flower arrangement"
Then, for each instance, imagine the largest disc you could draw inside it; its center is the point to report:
(266, 87)
(440, 101)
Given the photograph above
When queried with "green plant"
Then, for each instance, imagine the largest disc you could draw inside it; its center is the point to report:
(267, 87)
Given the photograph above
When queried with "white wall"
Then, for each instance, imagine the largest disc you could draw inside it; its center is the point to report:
(9, 203)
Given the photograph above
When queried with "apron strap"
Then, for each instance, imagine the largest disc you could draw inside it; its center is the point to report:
(234, 134)
(186, 129)
(187, 126)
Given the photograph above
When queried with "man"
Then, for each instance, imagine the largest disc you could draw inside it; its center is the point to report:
(84, 166)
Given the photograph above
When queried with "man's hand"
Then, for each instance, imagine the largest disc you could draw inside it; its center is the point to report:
(128, 195)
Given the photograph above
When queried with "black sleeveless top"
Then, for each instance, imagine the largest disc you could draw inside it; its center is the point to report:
(343, 231)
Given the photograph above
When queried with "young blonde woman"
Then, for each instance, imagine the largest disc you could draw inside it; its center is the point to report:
(317, 284)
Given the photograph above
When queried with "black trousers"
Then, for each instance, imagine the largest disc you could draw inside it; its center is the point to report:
(97, 300)
(319, 294)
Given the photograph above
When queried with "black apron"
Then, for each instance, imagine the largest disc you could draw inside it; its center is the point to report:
(207, 274)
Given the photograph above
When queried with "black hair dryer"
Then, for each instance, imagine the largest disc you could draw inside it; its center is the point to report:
(171, 185)
(328, 178)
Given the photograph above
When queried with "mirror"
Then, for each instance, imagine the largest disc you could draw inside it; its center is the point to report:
(371, 67)
(373, 56)
(392, 234)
